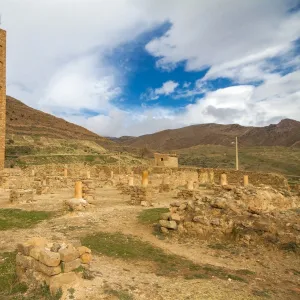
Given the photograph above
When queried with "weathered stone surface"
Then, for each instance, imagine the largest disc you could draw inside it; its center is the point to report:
(68, 254)
(70, 265)
(86, 258)
(176, 217)
(165, 216)
(83, 249)
(50, 271)
(168, 224)
(24, 261)
(24, 248)
(145, 203)
(35, 253)
(164, 230)
(201, 219)
(59, 281)
(182, 207)
(51, 259)
(175, 203)
(219, 203)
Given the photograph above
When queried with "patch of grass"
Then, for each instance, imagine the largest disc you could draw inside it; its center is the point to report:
(261, 293)
(237, 278)
(131, 248)
(122, 295)
(12, 289)
(17, 218)
(8, 279)
(218, 246)
(291, 247)
(152, 215)
(245, 272)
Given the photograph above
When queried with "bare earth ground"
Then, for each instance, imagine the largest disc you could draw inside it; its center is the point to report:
(112, 214)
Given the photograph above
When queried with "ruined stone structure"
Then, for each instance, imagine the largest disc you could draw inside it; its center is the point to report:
(2, 96)
(166, 160)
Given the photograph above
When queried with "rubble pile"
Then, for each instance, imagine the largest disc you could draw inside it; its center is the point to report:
(140, 196)
(88, 190)
(245, 214)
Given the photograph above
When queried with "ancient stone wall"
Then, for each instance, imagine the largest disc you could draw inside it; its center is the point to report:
(2, 96)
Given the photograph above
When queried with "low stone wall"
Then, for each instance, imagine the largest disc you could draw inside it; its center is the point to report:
(39, 261)
(21, 196)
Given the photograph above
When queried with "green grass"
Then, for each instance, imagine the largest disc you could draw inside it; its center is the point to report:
(12, 289)
(152, 215)
(284, 160)
(130, 248)
(122, 295)
(17, 218)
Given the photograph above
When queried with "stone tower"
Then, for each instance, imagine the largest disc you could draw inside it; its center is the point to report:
(2, 96)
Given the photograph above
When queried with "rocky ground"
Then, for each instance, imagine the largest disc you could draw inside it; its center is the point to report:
(275, 273)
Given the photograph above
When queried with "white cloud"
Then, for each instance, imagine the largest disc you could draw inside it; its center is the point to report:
(56, 59)
(167, 88)
(247, 105)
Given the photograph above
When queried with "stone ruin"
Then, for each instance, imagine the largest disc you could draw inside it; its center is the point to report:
(39, 261)
(21, 196)
(247, 214)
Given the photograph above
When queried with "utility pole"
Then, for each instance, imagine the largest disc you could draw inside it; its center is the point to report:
(236, 154)
(119, 164)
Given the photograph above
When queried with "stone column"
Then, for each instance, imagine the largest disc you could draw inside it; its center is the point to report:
(223, 179)
(190, 185)
(246, 180)
(145, 179)
(33, 172)
(211, 177)
(130, 181)
(88, 174)
(112, 175)
(78, 190)
(65, 172)
(203, 177)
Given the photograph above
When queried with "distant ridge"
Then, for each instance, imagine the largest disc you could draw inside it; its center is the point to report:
(285, 133)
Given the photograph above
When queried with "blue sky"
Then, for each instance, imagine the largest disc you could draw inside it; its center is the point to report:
(129, 67)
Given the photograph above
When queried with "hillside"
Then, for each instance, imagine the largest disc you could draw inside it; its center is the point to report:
(34, 137)
(286, 133)
(24, 120)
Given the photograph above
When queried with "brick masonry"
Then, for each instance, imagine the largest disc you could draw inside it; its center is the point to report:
(2, 96)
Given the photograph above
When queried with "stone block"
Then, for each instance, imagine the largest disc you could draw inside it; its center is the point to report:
(83, 249)
(51, 259)
(168, 224)
(35, 252)
(49, 271)
(86, 258)
(70, 265)
(176, 217)
(68, 254)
